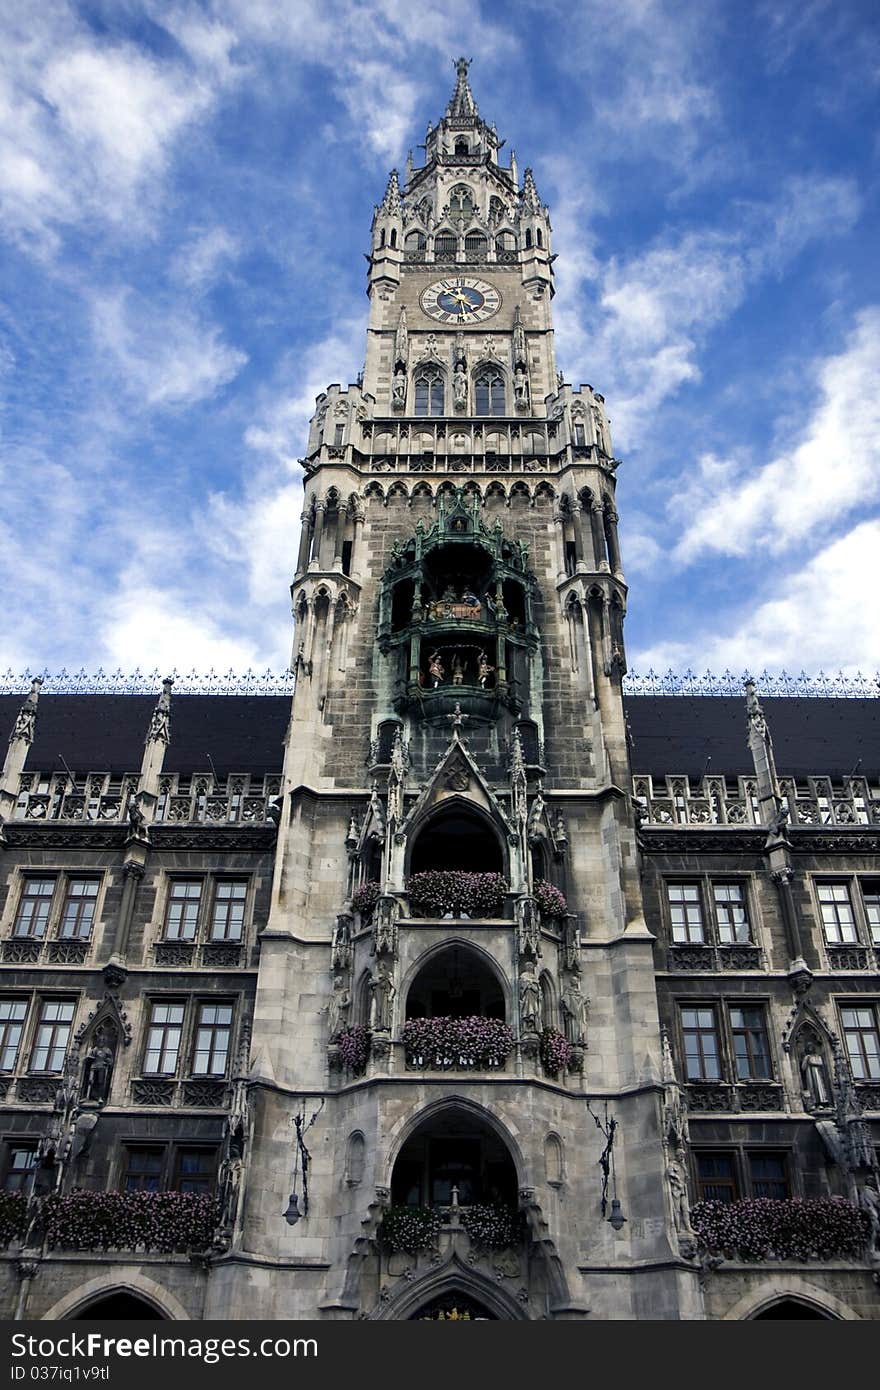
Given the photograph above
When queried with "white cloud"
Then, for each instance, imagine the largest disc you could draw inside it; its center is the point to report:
(164, 359)
(824, 615)
(145, 626)
(834, 468)
(199, 262)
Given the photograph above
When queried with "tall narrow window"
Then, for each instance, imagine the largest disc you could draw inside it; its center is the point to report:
(211, 1050)
(836, 907)
(461, 205)
(429, 391)
(78, 912)
(12, 1016)
(871, 899)
(227, 917)
(53, 1032)
(338, 435)
(730, 913)
(142, 1171)
(489, 392)
(750, 1048)
(701, 1052)
(580, 437)
(194, 1170)
(716, 1177)
(182, 912)
(769, 1175)
(862, 1042)
(33, 907)
(163, 1039)
(22, 1162)
(686, 912)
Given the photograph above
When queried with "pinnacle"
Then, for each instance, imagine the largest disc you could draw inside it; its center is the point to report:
(530, 193)
(462, 103)
(391, 201)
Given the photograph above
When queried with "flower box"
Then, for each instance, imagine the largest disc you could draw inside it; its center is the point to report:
(492, 1227)
(456, 1044)
(455, 893)
(354, 1047)
(815, 1228)
(364, 898)
(410, 1229)
(165, 1222)
(556, 1051)
(549, 901)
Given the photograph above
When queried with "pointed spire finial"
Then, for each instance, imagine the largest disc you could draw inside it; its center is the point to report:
(462, 103)
(530, 193)
(26, 720)
(391, 201)
(160, 723)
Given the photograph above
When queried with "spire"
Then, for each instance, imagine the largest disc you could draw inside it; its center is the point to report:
(401, 339)
(462, 105)
(530, 198)
(519, 339)
(27, 716)
(761, 747)
(391, 201)
(20, 740)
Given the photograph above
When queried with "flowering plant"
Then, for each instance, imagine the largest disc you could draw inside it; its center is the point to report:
(354, 1046)
(548, 899)
(813, 1228)
(161, 1221)
(447, 1043)
(13, 1222)
(556, 1051)
(364, 899)
(492, 1227)
(455, 893)
(410, 1228)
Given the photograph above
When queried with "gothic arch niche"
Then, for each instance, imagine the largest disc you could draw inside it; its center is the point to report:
(454, 1145)
(355, 1158)
(456, 980)
(549, 1005)
(457, 835)
(792, 1309)
(117, 1306)
(554, 1160)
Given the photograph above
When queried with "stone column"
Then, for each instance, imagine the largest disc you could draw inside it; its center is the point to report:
(611, 520)
(305, 541)
(597, 517)
(315, 562)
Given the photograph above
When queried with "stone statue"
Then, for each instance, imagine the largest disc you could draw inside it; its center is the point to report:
(26, 719)
(382, 993)
(574, 1013)
(521, 386)
(815, 1076)
(340, 1003)
(137, 821)
(98, 1071)
(160, 721)
(529, 1001)
(529, 930)
(869, 1201)
(436, 669)
(676, 1178)
(340, 950)
(398, 388)
(459, 387)
(457, 669)
(484, 670)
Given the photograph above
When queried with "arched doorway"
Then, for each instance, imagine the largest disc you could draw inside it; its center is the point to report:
(454, 1306)
(118, 1307)
(453, 1148)
(793, 1309)
(456, 982)
(457, 838)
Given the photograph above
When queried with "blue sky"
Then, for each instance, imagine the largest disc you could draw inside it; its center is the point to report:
(185, 198)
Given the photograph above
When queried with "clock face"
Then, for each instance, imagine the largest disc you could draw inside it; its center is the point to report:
(460, 300)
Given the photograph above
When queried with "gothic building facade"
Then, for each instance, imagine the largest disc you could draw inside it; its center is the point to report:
(451, 983)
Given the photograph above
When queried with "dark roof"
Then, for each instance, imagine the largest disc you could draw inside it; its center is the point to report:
(105, 733)
(245, 733)
(811, 736)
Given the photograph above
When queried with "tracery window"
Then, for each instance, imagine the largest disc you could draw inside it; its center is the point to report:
(429, 391)
(489, 388)
(461, 204)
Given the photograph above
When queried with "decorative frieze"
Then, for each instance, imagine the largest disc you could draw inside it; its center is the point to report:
(37, 1090)
(152, 1092)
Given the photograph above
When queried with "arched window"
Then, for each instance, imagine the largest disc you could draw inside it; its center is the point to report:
(489, 388)
(461, 146)
(394, 236)
(505, 241)
(415, 241)
(429, 391)
(445, 244)
(528, 237)
(461, 204)
(539, 234)
(476, 244)
(382, 237)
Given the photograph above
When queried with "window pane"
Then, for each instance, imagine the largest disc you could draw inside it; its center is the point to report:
(871, 898)
(143, 1169)
(53, 1032)
(163, 1039)
(22, 1161)
(769, 1176)
(750, 1046)
(182, 913)
(730, 913)
(227, 917)
(12, 1016)
(700, 1044)
(194, 1170)
(78, 911)
(836, 908)
(33, 908)
(686, 912)
(716, 1177)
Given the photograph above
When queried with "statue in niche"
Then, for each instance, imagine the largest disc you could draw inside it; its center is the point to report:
(574, 1013)
(340, 950)
(137, 821)
(529, 1001)
(459, 386)
(382, 994)
(484, 670)
(337, 1012)
(457, 669)
(436, 669)
(98, 1070)
(398, 388)
(814, 1075)
(869, 1201)
(521, 386)
(676, 1178)
(529, 930)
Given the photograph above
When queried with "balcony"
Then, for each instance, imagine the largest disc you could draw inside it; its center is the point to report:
(472, 1044)
(153, 1222)
(820, 1228)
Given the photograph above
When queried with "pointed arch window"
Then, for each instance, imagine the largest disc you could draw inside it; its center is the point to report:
(429, 391)
(489, 391)
(461, 204)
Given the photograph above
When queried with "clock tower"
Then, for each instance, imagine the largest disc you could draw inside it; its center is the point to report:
(458, 1088)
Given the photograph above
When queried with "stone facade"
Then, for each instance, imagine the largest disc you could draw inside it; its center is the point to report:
(275, 989)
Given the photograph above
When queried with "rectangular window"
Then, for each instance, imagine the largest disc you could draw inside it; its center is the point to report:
(750, 1047)
(194, 1170)
(871, 899)
(143, 1168)
(182, 912)
(730, 913)
(12, 1016)
(716, 1177)
(163, 1039)
(571, 557)
(53, 1032)
(346, 557)
(22, 1161)
(836, 907)
(686, 912)
(769, 1176)
(78, 912)
(227, 915)
(701, 1050)
(33, 907)
(211, 1050)
(339, 435)
(862, 1041)
(580, 437)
